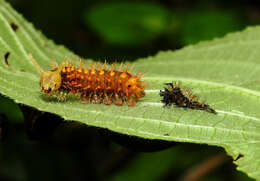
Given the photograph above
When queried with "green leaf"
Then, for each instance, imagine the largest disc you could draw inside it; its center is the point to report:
(128, 23)
(224, 71)
(204, 22)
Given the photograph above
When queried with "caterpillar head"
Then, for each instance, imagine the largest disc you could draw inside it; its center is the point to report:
(51, 79)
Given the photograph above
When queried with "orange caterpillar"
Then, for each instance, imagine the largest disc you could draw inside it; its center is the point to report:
(92, 85)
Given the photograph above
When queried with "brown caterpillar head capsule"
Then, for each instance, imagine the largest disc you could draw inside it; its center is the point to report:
(50, 79)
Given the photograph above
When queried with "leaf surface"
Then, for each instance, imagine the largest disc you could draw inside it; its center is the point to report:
(225, 72)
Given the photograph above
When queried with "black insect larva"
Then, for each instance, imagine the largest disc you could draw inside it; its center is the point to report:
(173, 94)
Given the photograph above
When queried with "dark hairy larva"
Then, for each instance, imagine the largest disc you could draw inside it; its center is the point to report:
(173, 94)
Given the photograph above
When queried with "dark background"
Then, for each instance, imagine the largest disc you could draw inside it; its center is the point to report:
(40, 146)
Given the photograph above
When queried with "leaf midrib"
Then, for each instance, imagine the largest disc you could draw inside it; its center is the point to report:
(231, 88)
(69, 107)
(34, 78)
(240, 115)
